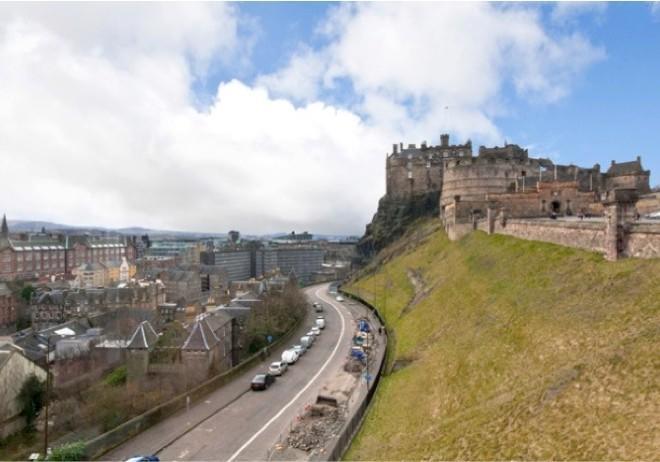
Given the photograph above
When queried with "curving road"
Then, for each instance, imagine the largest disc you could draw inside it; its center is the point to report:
(234, 423)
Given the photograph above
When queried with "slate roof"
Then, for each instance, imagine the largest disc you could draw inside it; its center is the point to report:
(626, 168)
(35, 344)
(203, 335)
(144, 337)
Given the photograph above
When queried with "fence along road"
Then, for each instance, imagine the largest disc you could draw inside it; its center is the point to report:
(245, 428)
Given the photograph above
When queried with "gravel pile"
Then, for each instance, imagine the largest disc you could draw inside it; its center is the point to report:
(319, 424)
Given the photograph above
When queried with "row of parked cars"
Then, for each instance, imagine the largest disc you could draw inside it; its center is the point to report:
(291, 355)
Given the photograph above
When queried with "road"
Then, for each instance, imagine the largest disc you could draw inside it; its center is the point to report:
(234, 423)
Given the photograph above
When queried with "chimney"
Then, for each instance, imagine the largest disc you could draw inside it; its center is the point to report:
(444, 140)
(639, 159)
(395, 148)
(613, 163)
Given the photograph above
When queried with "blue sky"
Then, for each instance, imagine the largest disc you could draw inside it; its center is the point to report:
(268, 117)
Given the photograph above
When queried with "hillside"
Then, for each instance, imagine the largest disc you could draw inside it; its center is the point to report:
(511, 349)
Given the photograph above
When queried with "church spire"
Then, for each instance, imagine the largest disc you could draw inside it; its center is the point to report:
(5, 229)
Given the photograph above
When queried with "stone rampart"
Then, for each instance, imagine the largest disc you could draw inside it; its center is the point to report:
(642, 240)
(586, 235)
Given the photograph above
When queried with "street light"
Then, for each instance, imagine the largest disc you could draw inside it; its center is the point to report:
(47, 395)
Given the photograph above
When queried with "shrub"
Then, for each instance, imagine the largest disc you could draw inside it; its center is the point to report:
(116, 377)
(71, 451)
(32, 397)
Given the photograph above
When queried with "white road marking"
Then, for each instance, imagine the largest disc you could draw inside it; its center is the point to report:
(309, 384)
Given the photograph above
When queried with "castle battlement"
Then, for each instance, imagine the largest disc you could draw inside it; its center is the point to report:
(507, 179)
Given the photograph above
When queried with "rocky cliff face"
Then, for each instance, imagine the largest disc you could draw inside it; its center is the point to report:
(393, 217)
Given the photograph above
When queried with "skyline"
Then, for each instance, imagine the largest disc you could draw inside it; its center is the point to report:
(271, 117)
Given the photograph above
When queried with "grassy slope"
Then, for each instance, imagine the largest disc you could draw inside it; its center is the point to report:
(520, 350)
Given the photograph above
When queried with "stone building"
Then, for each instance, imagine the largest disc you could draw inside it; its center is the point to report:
(15, 369)
(44, 255)
(8, 307)
(57, 306)
(412, 170)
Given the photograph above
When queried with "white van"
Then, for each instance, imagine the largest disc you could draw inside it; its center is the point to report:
(289, 356)
(320, 323)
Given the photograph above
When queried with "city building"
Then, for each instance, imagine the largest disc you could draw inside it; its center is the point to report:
(43, 255)
(236, 262)
(54, 307)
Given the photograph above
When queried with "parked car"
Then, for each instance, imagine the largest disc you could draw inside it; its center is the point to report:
(318, 307)
(316, 330)
(306, 341)
(358, 353)
(262, 381)
(143, 459)
(290, 356)
(311, 335)
(320, 322)
(340, 298)
(277, 368)
(299, 349)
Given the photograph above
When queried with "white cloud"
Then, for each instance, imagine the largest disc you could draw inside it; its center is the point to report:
(569, 11)
(201, 32)
(655, 9)
(98, 123)
(428, 57)
(89, 138)
(298, 80)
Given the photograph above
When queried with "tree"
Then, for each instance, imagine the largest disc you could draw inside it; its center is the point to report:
(26, 293)
(31, 398)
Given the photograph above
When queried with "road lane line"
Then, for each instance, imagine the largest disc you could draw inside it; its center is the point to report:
(309, 384)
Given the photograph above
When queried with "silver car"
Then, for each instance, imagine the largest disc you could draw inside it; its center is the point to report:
(277, 368)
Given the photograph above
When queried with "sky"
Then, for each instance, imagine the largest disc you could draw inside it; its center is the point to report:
(270, 117)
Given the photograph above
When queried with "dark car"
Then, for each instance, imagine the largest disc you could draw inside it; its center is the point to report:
(262, 381)
(143, 459)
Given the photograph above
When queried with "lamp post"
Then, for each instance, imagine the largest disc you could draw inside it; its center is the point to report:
(47, 396)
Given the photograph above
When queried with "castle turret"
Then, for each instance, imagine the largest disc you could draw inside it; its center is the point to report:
(444, 140)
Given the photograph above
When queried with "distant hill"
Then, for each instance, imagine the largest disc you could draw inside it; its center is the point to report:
(36, 226)
(510, 349)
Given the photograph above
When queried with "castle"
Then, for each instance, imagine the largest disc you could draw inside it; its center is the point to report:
(502, 184)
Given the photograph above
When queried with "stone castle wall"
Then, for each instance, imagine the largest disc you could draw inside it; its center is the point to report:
(580, 234)
(642, 240)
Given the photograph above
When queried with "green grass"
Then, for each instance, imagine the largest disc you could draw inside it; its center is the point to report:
(522, 350)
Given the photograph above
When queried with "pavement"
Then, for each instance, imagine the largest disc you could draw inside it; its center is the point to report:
(234, 423)
(318, 434)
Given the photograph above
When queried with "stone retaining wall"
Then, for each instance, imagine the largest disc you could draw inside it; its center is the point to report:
(579, 234)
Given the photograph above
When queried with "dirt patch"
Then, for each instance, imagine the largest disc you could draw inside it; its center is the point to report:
(416, 278)
(401, 363)
(564, 379)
